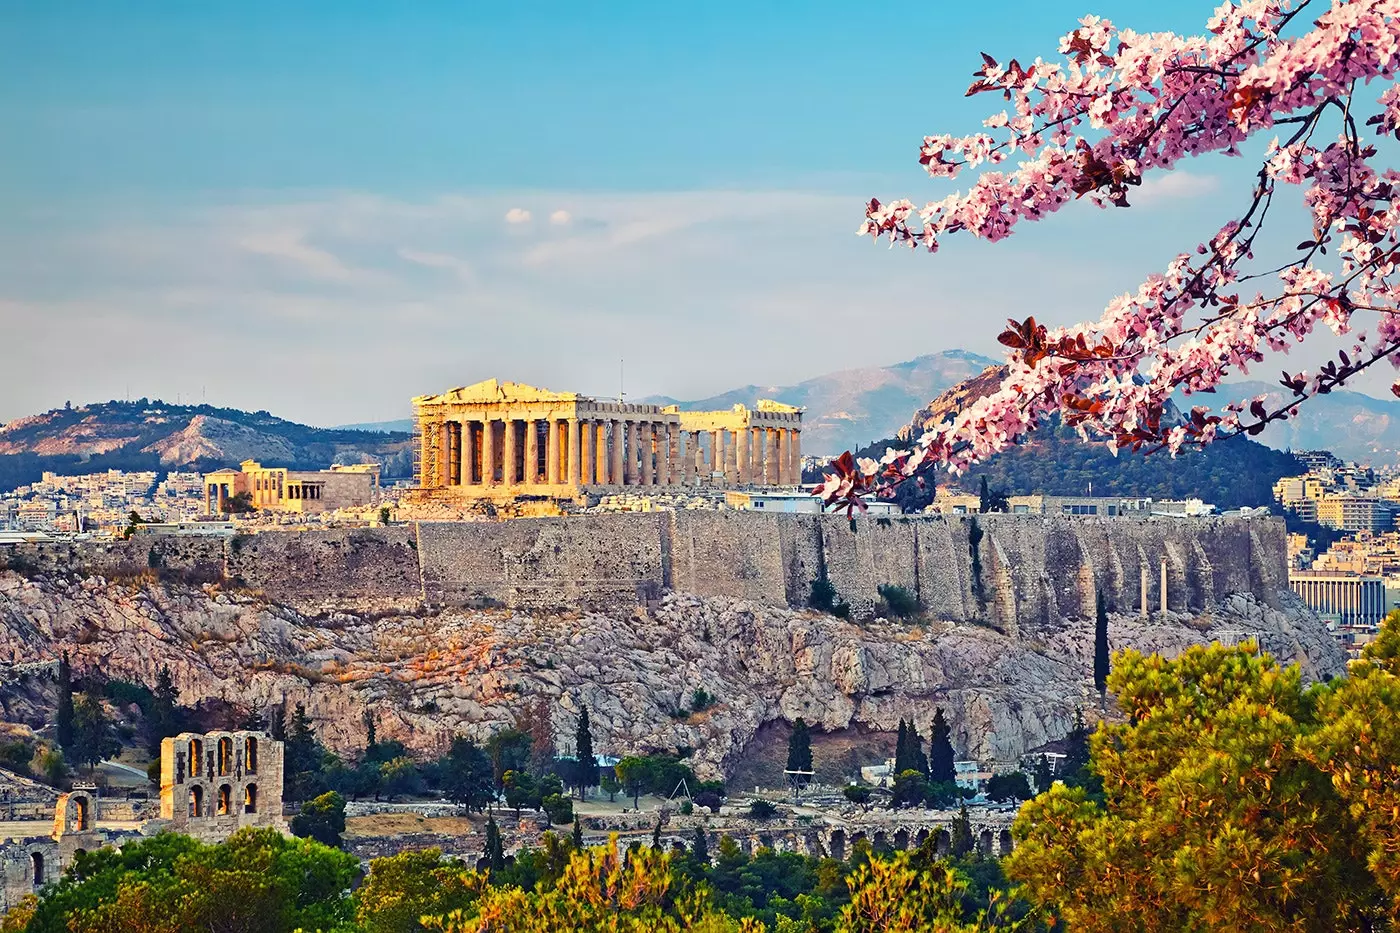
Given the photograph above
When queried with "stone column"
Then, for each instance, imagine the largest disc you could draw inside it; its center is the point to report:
(731, 458)
(783, 478)
(673, 453)
(696, 455)
(468, 453)
(571, 456)
(648, 474)
(662, 434)
(587, 455)
(741, 455)
(488, 452)
(532, 453)
(771, 475)
(618, 437)
(508, 474)
(629, 456)
(551, 453)
(600, 452)
(1164, 585)
(797, 455)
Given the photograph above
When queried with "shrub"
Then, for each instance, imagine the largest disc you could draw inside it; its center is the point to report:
(558, 808)
(898, 600)
(823, 596)
(841, 610)
(762, 810)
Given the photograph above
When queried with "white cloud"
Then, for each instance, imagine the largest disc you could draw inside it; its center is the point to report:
(1179, 185)
(517, 215)
(291, 247)
(560, 218)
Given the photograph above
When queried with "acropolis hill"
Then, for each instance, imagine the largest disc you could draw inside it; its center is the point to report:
(454, 626)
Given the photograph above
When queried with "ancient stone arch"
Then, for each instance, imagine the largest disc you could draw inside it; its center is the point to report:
(75, 812)
(837, 846)
(225, 758)
(224, 804)
(196, 801)
(250, 754)
(37, 861)
(1004, 842)
(250, 798)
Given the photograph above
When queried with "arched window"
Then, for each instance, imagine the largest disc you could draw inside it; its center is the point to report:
(226, 755)
(38, 859)
(250, 755)
(196, 801)
(196, 756)
(81, 816)
(250, 799)
(224, 799)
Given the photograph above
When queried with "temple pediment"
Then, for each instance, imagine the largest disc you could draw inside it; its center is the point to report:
(494, 391)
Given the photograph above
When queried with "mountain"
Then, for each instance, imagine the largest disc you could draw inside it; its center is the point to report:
(850, 408)
(1352, 425)
(399, 426)
(155, 435)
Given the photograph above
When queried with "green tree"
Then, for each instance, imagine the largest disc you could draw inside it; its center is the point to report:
(371, 734)
(700, 847)
(586, 762)
(974, 547)
(63, 720)
(465, 775)
(961, 843)
(400, 777)
(1012, 786)
(1042, 774)
(578, 834)
(1101, 647)
(910, 789)
(411, 884)
(164, 719)
(610, 784)
(93, 739)
(912, 756)
(823, 596)
(856, 794)
(322, 819)
(940, 750)
(1217, 809)
(635, 774)
(799, 752)
(509, 750)
(495, 853)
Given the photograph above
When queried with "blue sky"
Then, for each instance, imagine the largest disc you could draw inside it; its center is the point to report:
(323, 209)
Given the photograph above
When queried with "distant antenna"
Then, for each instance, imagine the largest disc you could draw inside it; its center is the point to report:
(621, 379)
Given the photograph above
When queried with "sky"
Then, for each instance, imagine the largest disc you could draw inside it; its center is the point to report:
(325, 209)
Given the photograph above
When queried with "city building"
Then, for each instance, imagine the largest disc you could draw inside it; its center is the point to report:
(282, 490)
(1105, 506)
(1349, 512)
(799, 501)
(507, 441)
(1346, 598)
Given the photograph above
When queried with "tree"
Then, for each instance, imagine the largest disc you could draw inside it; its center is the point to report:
(403, 887)
(856, 794)
(974, 547)
(940, 751)
(961, 843)
(1126, 106)
(1101, 647)
(910, 789)
(912, 758)
(1012, 786)
(92, 732)
(700, 847)
(1222, 804)
(635, 774)
(465, 775)
(302, 757)
(237, 504)
(495, 855)
(823, 596)
(1040, 771)
(63, 718)
(578, 834)
(799, 753)
(322, 819)
(901, 748)
(762, 810)
(609, 783)
(537, 723)
(371, 734)
(164, 719)
(399, 776)
(586, 768)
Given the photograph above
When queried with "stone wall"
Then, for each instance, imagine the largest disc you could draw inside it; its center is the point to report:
(1034, 570)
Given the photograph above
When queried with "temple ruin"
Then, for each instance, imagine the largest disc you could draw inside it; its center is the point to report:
(504, 440)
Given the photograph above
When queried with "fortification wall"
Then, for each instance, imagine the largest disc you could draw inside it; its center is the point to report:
(1034, 571)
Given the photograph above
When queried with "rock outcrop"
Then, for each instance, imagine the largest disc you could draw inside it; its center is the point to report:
(428, 674)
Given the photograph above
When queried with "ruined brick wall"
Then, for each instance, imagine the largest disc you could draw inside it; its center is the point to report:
(195, 558)
(306, 568)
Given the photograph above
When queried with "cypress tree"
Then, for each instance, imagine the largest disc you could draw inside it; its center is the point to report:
(700, 849)
(961, 843)
(371, 737)
(495, 854)
(586, 769)
(799, 756)
(940, 751)
(63, 726)
(1101, 647)
(917, 761)
(578, 835)
(984, 504)
(901, 750)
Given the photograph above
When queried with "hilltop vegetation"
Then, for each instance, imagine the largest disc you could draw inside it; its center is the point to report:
(154, 435)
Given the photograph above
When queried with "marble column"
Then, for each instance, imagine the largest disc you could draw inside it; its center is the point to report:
(797, 455)
(531, 473)
(629, 456)
(616, 477)
(716, 458)
(662, 433)
(551, 454)
(731, 458)
(573, 472)
(648, 474)
(468, 438)
(600, 452)
(587, 455)
(508, 474)
(442, 471)
(771, 476)
(696, 456)
(741, 455)
(488, 452)
(673, 453)
(782, 437)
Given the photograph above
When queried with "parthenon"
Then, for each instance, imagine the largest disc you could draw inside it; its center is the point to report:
(498, 440)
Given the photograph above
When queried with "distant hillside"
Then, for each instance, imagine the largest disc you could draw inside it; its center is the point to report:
(850, 408)
(154, 435)
(1054, 461)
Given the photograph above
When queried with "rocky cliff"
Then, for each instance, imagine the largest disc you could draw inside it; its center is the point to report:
(430, 673)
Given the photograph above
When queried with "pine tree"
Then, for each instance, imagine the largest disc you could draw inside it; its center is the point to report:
(371, 737)
(799, 756)
(700, 849)
(901, 749)
(277, 722)
(940, 751)
(165, 719)
(1101, 648)
(656, 835)
(578, 835)
(495, 853)
(586, 769)
(962, 842)
(63, 725)
(917, 761)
